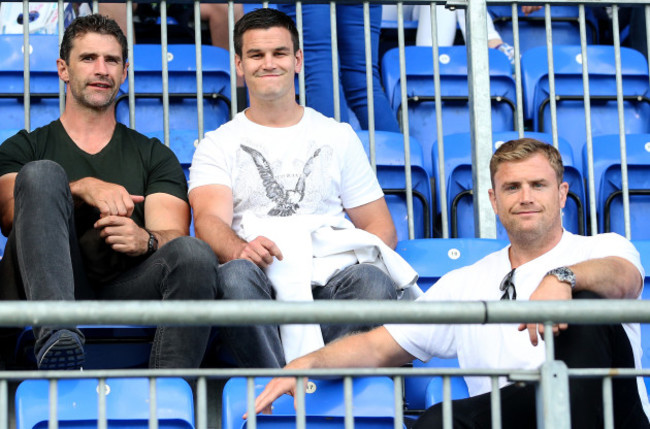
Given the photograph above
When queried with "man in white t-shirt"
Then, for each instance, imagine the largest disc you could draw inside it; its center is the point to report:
(278, 163)
(543, 262)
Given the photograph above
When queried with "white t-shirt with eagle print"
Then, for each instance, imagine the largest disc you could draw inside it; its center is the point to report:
(317, 166)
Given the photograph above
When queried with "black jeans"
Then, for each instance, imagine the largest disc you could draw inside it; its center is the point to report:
(580, 346)
(43, 261)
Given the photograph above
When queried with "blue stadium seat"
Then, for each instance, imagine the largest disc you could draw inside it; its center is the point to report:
(183, 143)
(432, 258)
(107, 346)
(453, 90)
(43, 80)
(458, 170)
(602, 89)
(373, 405)
(127, 403)
(389, 149)
(181, 64)
(434, 392)
(532, 28)
(607, 176)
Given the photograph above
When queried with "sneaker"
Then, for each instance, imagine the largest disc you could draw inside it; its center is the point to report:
(508, 50)
(63, 350)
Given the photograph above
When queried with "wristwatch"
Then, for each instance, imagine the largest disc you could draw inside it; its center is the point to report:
(563, 274)
(152, 245)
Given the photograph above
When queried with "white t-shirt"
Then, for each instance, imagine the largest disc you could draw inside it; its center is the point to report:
(317, 166)
(502, 346)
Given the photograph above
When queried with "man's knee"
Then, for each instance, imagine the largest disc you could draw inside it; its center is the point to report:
(242, 279)
(371, 282)
(40, 177)
(198, 264)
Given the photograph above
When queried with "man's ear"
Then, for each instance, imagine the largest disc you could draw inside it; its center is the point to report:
(299, 58)
(493, 200)
(238, 67)
(62, 69)
(564, 192)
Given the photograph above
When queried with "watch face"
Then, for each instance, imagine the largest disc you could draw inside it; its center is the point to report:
(564, 274)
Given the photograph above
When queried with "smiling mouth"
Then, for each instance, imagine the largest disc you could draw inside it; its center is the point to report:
(100, 85)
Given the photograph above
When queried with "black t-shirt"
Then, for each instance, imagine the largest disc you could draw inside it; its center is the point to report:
(142, 165)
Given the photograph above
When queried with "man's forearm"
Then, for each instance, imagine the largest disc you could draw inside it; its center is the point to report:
(220, 236)
(611, 277)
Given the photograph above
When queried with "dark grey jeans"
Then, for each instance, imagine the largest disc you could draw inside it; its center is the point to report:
(43, 261)
(260, 346)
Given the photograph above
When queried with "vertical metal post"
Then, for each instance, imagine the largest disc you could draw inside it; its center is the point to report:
(591, 186)
(405, 119)
(480, 116)
(552, 396)
(608, 403)
(347, 401)
(442, 179)
(335, 63)
(101, 404)
(621, 122)
(26, 55)
(447, 409)
(4, 405)
(131, 72)
(250, 402)
(95, 6)
(551, 71)
(398, 388)
(165, 69)
(233, 71)
(369, 85)
(301, 415)
(199, 66)
(495, 402)
(201, 404)
(519, 122)
(53, 422)
(301, 43)
(153, 404)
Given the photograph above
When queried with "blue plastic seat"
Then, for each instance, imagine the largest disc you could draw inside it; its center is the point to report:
(181, 64)
(434, 393)
(453, 90)
(532, 28)
(607, 176)
(127, 403)
(389, 148)
(373, 404)
(43, 80)
(458, 170)
(602, 88)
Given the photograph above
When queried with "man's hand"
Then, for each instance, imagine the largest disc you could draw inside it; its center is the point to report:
(527, 10)
(260, 251)
(549, 289)
(276, 388)
(110, 199)
(123, 235)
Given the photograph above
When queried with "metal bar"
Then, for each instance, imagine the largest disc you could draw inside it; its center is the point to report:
(102, 422)
(551, 72)
(199, 66)
(4, 405)
(301, 43)
(405, 120)
(95, 6)
(335, 62)
(519, 123)
(442, 179)
(447, 409)
(347, 400)
(250, 403)
(301, 415)
(61, 83)
(608, 403)
(495, 403)
(53, 422)
(621, 122)
(233, 71)
(201, 403)
(130, 32)
(549, 341)
(552, 396)
(587, 103)
(165, 69)
(369, 86)
(398, 388)
(26, 54)
(153, 404)
(480, 116)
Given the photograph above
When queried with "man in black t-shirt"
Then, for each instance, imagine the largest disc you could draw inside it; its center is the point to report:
(94, 210)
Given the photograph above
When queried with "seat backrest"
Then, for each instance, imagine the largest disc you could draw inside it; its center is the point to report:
(389, 157)
(422, 392)
(608, 181)
(434, 257)
(373, 404)
(127, 403)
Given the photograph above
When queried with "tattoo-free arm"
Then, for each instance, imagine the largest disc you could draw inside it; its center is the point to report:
(375, 218)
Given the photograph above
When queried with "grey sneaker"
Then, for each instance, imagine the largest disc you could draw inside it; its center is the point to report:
(63, 350)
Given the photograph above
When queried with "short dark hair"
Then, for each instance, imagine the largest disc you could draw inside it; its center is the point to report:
(522, 149)
(263, 19)
(94, 23)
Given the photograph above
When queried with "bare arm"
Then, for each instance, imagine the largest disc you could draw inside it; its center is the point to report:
(374, 217)
(611, 277)
(7, 182)
(109, 198)
(213, 213)
(373, 349)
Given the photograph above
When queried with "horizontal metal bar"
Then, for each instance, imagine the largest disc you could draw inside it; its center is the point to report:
(230, 313)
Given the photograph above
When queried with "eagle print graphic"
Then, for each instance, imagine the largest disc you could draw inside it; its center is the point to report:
(286, 201)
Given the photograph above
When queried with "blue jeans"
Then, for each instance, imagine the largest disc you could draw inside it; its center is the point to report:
(352, 60)
(43, 261)
(259, 346)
